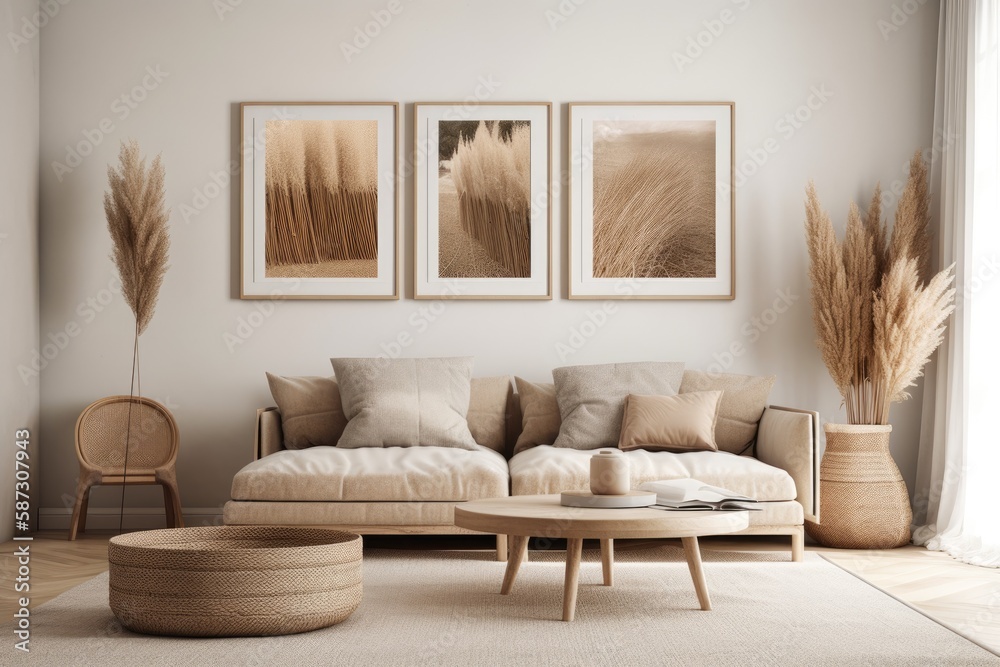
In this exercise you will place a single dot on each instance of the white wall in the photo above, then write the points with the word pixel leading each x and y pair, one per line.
pixel 18 243
pixel 770 60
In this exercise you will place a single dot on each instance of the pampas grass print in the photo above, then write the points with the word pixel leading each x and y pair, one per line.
pixel 878 313
pixel 321 191
pixel 493 179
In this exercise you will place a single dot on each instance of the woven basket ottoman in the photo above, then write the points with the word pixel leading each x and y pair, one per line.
pixel 232 581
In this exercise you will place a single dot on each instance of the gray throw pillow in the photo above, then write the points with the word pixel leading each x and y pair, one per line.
pixel 405 402
pixel 592 398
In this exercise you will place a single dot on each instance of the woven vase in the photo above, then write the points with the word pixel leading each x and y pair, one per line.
pixel 863 499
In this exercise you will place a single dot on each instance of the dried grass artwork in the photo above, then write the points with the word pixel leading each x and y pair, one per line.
pixel 654 199
pixel 321 198
pixel 484 199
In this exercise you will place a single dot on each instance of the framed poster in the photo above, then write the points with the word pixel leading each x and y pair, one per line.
pixel 319 200
pixel 652 213
pixel 481 200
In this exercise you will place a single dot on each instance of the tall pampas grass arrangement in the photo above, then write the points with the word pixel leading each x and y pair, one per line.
pixel 878 313
pixel 493 178
pixel 137 221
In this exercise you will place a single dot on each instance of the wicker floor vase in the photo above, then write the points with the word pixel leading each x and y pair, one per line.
pixel 863 498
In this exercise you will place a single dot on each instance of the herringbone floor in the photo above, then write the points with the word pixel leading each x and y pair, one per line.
pixel 964 597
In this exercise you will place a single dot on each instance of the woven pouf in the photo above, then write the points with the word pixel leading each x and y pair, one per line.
pixel 863 503
pixel 230 581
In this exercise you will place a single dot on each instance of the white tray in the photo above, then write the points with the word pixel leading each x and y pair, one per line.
pixel 588 499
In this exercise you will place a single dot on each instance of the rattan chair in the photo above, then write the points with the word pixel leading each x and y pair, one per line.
pixel 152 452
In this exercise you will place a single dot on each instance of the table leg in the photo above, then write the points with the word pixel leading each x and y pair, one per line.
pixel 574 549
pixel 693 555
pixel 518 549
pixel 607 560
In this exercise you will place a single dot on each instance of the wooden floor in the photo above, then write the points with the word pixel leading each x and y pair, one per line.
pixel 963 597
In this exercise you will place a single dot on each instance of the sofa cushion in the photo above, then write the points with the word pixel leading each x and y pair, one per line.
pixel 487 416
pixel 405 402
pixel 539 414
pixel 545 469
pixel 592 398
pixel 744 398
pixel 681 423
pixel 373 474
pixel 310 409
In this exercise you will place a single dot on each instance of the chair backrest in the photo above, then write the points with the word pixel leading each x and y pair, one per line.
pixel 151 430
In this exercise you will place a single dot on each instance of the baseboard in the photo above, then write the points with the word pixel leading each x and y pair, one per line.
pixel 136 518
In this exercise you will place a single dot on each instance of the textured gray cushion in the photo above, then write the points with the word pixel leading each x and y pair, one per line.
pixel 310 409
pixel 405 402
pixel 744 398
pixel 592 398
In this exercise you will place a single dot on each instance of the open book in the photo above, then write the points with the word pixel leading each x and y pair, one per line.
pixel 692 494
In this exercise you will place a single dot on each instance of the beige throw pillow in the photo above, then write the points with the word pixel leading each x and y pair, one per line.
pixel 310 410
pixel 744 398
pixel 405 402
pixel 592 398
pixel 681 423
pixel 539 414
pixel 487 414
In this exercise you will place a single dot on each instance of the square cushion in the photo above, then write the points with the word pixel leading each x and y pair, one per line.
pixel 487 416
pixel 744 398
pixel 546 469
pixel 310 410
pixel 373 474
pixel 539 414
pixel 681 423
pixel 592 398
pixel 405 402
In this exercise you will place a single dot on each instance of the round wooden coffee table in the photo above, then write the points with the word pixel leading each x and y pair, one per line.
pixel 543 516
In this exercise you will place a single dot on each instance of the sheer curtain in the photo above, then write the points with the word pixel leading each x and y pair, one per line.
pixel 955 504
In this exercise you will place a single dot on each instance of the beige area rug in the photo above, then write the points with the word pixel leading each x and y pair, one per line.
pixel 444 608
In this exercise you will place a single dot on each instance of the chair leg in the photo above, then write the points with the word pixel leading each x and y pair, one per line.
pixel 168 506
pixel 78 521
pixel 175 516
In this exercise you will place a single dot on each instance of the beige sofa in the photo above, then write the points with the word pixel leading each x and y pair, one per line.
pixel 413 490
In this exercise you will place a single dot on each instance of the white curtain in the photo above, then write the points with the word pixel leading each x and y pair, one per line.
pixel 959 461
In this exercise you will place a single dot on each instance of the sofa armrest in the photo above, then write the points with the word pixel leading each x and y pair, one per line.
pixel 267 434
pixel 788 438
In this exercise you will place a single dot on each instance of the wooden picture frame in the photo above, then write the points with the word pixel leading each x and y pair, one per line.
pixel 652 212
pixel 482 208
pixel 319 200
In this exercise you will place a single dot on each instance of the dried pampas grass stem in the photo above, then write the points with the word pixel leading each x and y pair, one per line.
pixel 878 314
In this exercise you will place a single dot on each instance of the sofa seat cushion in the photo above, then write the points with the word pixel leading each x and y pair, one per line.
pixel 353 515
pixel 547 469
pixel 374 474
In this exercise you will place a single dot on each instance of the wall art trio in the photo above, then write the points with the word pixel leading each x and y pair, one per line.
pixel 649 189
